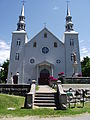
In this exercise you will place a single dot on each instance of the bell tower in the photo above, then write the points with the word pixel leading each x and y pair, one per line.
pixel 19 39
pixel 71 43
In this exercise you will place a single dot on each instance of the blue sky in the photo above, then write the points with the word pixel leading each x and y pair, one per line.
pixel 38 12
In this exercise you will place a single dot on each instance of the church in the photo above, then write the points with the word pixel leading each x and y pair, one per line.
pixel 44 55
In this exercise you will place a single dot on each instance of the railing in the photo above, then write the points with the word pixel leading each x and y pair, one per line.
pixel 62 97
pixel 29 98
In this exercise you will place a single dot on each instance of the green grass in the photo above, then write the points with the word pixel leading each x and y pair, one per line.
pixel 37 87
pixel 7 101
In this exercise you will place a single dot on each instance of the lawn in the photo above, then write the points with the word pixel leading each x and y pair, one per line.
pixel 17 102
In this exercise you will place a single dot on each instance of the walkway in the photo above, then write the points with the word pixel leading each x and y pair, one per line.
pixel 77 117
pixel 46 89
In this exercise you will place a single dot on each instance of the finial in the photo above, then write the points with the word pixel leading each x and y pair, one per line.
pixel 23 1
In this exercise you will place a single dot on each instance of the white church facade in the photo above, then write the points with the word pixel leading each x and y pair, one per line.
pixel 44 55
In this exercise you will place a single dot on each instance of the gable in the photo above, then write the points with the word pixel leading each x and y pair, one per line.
pixel 45 36
pixel 44 51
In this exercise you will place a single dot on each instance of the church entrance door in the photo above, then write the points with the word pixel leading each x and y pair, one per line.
pixel 15 79
pixel 44 77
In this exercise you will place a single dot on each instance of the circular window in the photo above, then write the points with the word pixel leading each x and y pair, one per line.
pixel 58 61
pixel 45 50
pixel 32 61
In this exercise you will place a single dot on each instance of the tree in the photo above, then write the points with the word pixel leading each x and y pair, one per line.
pixel 85 64
pixel 4 71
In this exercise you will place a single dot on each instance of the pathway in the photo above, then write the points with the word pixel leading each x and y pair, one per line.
pixel 46 89
pixel 77 117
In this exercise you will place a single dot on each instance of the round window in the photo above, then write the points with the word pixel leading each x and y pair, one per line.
pixel 45 50
pixel 32 61
pixel 58 61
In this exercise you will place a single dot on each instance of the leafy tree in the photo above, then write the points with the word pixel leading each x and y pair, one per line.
pixel 85 64
pixel 4 71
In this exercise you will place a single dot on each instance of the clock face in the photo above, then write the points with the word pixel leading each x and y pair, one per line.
pixel 45 50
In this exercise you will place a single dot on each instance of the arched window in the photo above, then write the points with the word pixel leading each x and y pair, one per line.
pixel 45 35
pixel 71 42
pixel 34 44
pixel 18 42
pixel 55 44
pixel 17 56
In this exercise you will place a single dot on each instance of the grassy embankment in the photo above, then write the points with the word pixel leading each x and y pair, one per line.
pixel 7 101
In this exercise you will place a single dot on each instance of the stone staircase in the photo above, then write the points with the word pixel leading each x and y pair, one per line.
pixel 45 98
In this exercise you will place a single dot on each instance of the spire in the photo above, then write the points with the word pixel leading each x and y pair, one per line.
pixel 21 23
pixel 22 11
pixel 69 24
pixel 68 10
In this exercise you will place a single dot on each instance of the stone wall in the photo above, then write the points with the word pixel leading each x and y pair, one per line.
pixel 15 89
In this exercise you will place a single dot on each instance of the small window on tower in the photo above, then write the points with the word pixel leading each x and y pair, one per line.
pixel 55 44
pixel 18 42
pixel 71 42
pixel 34 44
pixel 45 35
pixel 17 56
pixel 71 57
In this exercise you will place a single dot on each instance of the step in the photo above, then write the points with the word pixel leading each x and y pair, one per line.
pixel 44 101
pixel 44 95
pixel 45 104
pixel 44 98
pixel 45 92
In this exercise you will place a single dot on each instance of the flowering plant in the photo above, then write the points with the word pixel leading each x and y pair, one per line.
pixel 54 79
pixel 61 73
pixel 51 78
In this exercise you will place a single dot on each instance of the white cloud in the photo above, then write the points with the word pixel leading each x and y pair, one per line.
pixel 4 51
pixel 84 50
pixel 84 55
pixel 55 8
pixel 81 41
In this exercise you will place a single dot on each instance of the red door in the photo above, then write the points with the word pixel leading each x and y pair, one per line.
pixel 44 75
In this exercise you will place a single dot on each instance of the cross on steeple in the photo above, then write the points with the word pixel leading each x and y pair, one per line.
pixel 67 1
pixel 23 1
pixel 45 24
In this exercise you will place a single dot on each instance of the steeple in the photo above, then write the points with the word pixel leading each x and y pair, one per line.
pixel 22 11
pixel 21 23
pixel 68 10
pixel 69 24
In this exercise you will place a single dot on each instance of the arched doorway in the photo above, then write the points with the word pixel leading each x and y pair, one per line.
pixel 44 75
pixel 15 79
